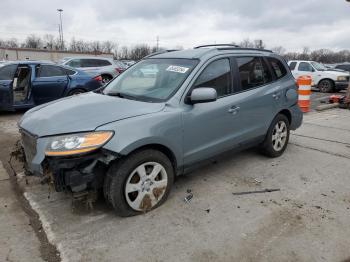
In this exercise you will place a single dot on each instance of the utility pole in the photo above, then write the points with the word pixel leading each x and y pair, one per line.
pixel 157 43
pixel 61 28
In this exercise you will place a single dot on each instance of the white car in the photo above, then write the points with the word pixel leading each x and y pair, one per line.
pixel 325 79
pixel 106 67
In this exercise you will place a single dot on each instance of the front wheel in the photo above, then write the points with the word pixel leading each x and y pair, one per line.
pixel 277 137
pixel 139 183
pixel 326 86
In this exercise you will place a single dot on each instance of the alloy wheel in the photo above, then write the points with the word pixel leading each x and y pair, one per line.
pixel 279 135
pixel 145 186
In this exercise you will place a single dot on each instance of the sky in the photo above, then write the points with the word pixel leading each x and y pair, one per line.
pixel 291 24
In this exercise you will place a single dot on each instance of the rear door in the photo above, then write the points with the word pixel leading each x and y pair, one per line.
pixel 257 97
pixel 49 84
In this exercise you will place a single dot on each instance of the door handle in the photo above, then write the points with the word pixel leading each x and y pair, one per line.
pixel 234 110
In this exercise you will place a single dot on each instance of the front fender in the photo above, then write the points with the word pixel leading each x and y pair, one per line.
pixel 162 128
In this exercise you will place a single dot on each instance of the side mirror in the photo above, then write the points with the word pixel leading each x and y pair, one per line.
pixel 313 70
pixel 203 95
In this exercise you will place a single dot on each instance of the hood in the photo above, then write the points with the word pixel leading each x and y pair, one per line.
pixel 83 112
pixel 335 72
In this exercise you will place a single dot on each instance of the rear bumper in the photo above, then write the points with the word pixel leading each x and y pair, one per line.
pixel 341 85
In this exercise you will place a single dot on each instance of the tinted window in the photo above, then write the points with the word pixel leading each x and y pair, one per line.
pixel 217 75
pixel 74 63
pixel 277 67
pixel 7 72
pixel 68 71
pixel 94 62
pixel 103 62
pixel 253 72
pixel 343 67
pixel 292 65
pixel 306 67
pixel 51 70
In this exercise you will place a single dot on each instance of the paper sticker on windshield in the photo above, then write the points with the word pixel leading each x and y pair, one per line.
pixel 177 69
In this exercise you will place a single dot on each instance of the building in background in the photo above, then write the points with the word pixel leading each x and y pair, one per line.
pixel 12 54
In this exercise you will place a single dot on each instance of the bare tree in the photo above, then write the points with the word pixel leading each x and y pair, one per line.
pixel 33 41
pixel 279 50
pixel 246 43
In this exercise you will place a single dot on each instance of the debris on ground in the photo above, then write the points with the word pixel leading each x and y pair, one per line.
pixel 267 190
pixel 188 198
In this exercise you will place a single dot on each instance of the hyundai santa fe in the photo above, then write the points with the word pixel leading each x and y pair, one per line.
pixel 133 137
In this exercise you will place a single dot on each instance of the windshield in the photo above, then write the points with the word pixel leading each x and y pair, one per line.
pixel 153 80
pixel 319 67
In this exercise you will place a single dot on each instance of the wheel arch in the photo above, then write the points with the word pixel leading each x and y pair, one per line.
pixel 160 147
pixel 288 114
pixel 326 78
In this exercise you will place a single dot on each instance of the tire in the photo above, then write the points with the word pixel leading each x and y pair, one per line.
pixel 106 79
pixel 269 146
pixel 326 86
pixel 76 92
pixel 144 195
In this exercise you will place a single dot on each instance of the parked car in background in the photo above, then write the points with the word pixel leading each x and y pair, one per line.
pixel 129 62
pixel 122 67
pixel 106 67
pixel 325 79
pixel 132 138
pixel 25 84
pixel 344 67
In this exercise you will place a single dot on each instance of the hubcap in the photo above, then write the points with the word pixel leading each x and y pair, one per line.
pixel 279 136
pixel 146 186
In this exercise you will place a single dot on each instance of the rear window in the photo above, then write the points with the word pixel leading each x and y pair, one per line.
pixel 7 72
pixel 51 70
pixel 292 65
pixel 253 72
pixel 94 62
pixel 277 67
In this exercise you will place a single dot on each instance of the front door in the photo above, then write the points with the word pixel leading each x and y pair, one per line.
pixel 7 73
pixel 49 84
pixel 209 127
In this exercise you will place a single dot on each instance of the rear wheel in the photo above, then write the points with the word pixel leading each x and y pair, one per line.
pixel 76 92
pixel 326 86
pixel 139 183
pixel 277 137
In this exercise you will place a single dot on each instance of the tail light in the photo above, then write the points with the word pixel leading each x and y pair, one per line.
pixel 297 84
pixel 119 70
pixel 98 78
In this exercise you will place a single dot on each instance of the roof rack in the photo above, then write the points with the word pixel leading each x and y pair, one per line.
pixel 232 47
pixel 246 48
pixel 201 46
pixel 160 52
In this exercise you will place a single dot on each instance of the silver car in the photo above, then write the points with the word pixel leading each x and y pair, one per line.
pixel 133 137
pixel 106 67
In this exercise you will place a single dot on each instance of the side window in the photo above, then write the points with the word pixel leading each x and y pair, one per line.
pixel 51 70
pixel 103 62
pixel 253 72
pixel 292 65
pixel 74 63
pixel 7 72
pixel 68 71
pixel 216 75
pixel 277 67
pixel 305 67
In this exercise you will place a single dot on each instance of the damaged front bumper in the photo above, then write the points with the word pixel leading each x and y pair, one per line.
pixel 76 173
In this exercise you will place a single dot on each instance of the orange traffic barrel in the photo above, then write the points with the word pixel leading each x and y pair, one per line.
pixel 304 92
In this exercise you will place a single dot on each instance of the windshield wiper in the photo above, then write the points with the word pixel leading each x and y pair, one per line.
pixel 122 95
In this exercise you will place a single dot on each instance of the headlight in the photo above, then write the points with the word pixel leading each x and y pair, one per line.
pixel 341 78
pixel 73 144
